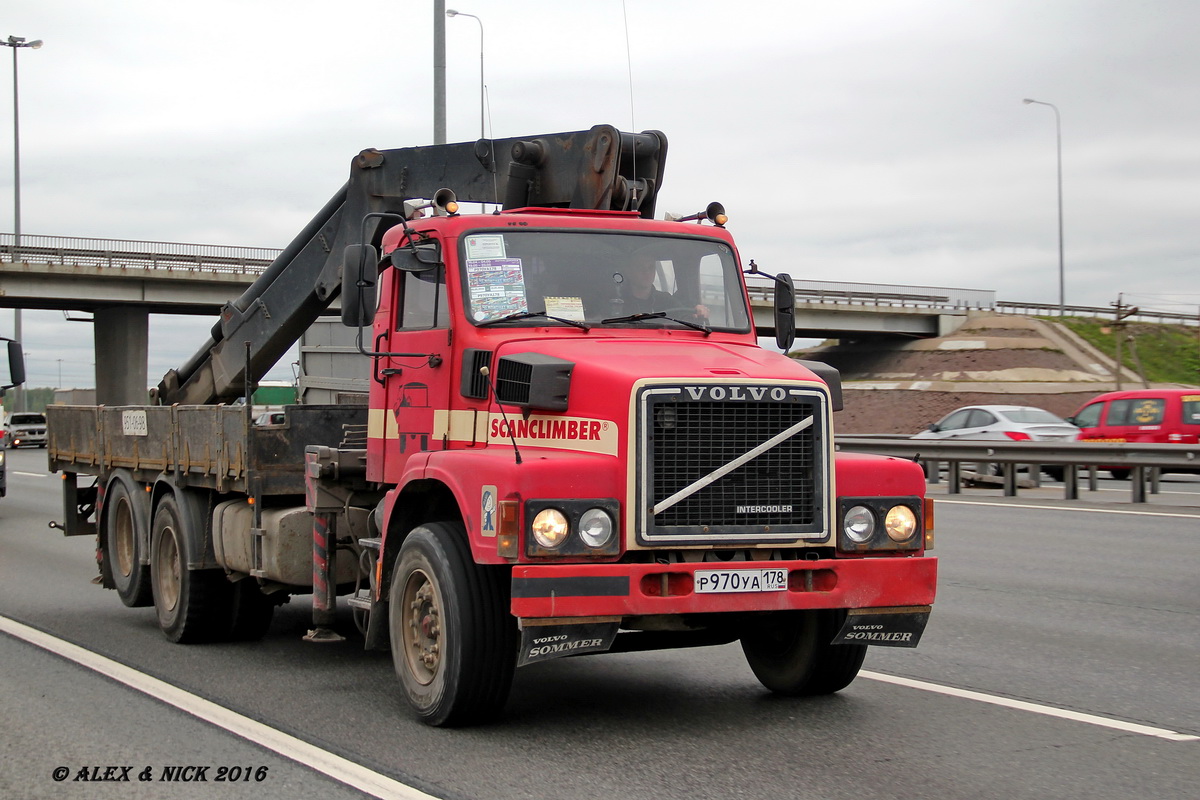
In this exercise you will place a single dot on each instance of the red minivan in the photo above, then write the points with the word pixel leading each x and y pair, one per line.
pixel 1141 415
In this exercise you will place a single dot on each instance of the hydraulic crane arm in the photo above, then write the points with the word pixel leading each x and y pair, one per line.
pixel 601 168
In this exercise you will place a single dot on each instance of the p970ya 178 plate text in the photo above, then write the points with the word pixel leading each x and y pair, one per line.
pixel 713 581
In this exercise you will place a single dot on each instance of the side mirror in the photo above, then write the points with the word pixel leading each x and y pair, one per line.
pixel 785 312
pixel 16 365
pixel 417 258
pixel 360 280
pixel 933 426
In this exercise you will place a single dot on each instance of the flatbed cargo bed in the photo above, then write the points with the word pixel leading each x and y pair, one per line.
pixel 216 447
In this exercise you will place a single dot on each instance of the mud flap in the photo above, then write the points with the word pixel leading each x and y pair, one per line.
pixel 542 642
pixel 886 627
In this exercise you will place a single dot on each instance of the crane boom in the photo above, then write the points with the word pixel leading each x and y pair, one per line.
pixel 600 168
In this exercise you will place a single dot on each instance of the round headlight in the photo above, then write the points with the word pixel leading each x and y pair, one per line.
pixel 900 523
pixel 550 528
pixel 595 527
pixel 859 524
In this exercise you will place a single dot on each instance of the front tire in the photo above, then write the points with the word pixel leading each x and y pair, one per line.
pixel 191 604
pixel 453 639
pixel 790 653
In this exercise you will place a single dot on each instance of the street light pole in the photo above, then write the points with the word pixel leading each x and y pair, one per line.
pixel 16 43
pixel 439 72
pixel 1061 265
pixel 482 116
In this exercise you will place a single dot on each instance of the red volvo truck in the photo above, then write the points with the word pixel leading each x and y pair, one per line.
pixel 572 443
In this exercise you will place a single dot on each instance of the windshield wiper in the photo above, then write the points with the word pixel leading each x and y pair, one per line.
pixel 530 314
pixel 658 315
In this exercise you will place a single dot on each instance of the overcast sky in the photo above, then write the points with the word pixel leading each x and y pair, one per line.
pixel 864 140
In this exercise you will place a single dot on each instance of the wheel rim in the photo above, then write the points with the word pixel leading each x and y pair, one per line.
pixel 422 627
pixel 167 569
pixel 123 537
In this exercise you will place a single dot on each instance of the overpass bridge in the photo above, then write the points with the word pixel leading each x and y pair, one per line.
pixel 122 282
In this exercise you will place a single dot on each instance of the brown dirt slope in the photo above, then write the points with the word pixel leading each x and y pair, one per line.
pixel 901 387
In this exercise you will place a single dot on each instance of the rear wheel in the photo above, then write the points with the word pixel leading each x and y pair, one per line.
pixel 1119 474
pixel 251 611
pixel 790 653
pixel 191 604
pixel 124 529
pixel 453 639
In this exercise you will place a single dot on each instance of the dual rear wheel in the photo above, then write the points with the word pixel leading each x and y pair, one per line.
pixel 199 605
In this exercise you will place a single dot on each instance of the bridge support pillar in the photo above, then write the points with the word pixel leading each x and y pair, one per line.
pixel 122 335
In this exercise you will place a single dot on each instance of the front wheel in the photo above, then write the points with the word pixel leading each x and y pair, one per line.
pixel 453 639
pixel 789 652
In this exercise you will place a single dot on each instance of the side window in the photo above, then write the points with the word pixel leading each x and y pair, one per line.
pixel 1191 410
pixel 422 300
pixel 1148 411
pixel 980 418
pixel 955 421
pixel 1118 413
pixel 1089 417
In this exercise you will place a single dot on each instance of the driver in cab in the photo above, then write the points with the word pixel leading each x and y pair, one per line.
pixel 641 296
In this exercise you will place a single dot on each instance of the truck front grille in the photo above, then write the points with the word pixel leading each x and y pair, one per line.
pixel 697 483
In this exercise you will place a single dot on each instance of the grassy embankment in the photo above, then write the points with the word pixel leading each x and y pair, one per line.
pixel 1168 353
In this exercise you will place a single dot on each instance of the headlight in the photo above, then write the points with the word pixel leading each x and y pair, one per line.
pixel 900 523
pixel 859 524
pixel 595 527
pixel 550 528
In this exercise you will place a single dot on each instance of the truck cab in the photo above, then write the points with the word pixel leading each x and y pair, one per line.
pixel 580 396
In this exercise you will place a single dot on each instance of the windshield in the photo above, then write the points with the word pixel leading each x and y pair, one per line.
pixel 27 419
pixel 594 278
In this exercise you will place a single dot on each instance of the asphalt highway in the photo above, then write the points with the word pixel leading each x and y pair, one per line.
pixel 1060 661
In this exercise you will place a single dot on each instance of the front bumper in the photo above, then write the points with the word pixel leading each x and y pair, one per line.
pixel 541 591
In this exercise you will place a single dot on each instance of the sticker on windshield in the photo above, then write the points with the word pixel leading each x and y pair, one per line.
pixel 485 246
pixel 565 307
pixel 497 287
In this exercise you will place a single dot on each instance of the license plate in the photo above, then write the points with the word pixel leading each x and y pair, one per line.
pixel 714 581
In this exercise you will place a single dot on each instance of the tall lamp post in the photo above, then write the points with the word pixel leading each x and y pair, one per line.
pixel 1061 267
pixel 16 43
pixel 482 116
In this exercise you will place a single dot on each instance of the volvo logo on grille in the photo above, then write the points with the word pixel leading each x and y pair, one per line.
pixel 763 509
pixel 776 393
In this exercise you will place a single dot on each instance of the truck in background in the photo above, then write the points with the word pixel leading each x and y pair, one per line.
pixel 572 443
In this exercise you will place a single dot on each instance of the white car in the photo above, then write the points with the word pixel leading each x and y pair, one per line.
pixel 1005 423
pixel 1002 423
pixel 24 429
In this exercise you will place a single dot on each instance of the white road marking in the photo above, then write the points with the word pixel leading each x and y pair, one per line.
pixel 31 474
pixel 340 769
pixel 937 501
pixel 359 777
pixel 1034 708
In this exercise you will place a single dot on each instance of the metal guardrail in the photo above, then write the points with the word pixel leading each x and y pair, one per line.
pixel 1051 310
pixel 128 253
pixel 878 294
pixel 1144 461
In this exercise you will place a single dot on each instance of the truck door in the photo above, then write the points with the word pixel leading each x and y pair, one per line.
pixel 416 386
